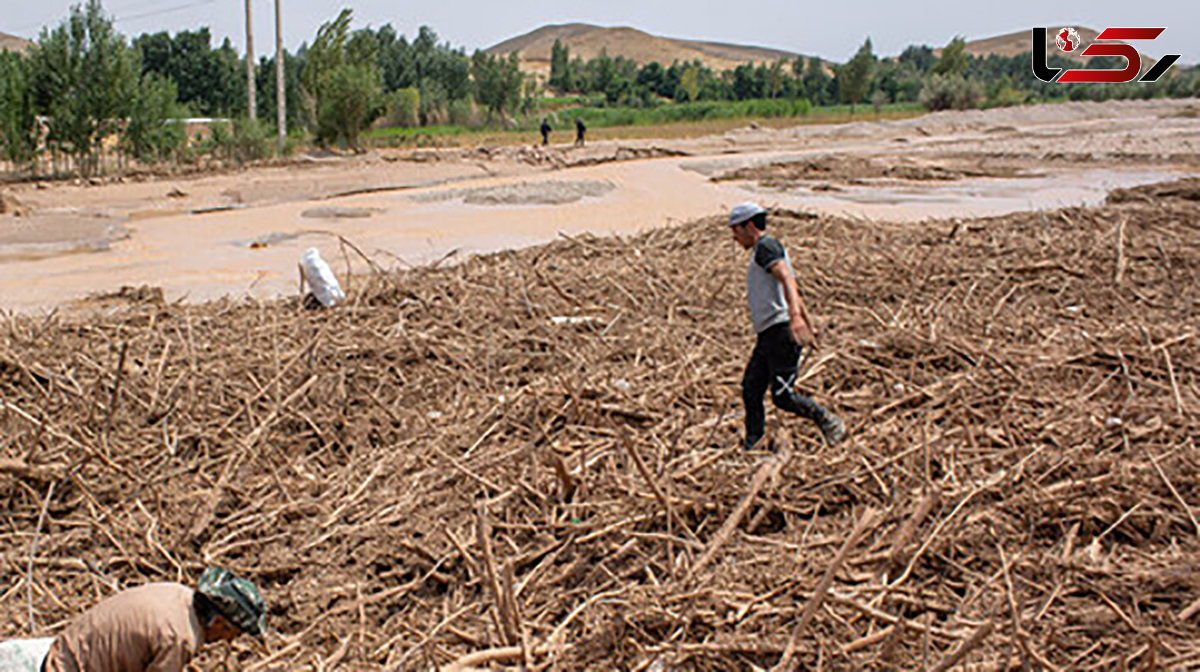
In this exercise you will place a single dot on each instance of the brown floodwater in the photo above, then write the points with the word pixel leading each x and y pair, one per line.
pixel 254 251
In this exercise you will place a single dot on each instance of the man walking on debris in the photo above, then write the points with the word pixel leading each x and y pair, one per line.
pixel 580 129
pixel 783 325
pixel 158 627
pixel 545 129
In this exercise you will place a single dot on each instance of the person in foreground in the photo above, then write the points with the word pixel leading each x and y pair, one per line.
pixel 783 326
pixel 158 627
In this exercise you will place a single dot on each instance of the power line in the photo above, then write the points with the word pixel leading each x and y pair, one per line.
pixel 117 17
pixel 168 10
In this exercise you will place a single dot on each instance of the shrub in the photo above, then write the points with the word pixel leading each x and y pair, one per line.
pixel 350 100
pixel 950 92
pixel 243 140
pixel 403 108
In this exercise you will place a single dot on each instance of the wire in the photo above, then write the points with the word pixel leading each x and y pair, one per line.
pixel 164 11
pixel 116 17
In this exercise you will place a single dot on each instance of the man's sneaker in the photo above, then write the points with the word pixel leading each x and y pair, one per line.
pixel 833 428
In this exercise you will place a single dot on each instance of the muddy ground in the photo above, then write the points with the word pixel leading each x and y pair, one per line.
pixel 241 233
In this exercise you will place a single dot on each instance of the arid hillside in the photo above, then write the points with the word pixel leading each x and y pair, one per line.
pixel 13 43
pixel 587 41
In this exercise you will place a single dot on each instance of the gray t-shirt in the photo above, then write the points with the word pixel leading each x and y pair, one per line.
pixel 768 304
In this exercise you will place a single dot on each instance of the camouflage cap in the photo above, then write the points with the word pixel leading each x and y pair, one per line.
pixel 237 599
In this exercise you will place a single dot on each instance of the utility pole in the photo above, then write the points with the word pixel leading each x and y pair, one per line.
pixel 250 86
pixel 280 93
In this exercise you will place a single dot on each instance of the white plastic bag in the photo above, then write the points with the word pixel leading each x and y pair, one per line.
pixel 320 279
pixel 24 655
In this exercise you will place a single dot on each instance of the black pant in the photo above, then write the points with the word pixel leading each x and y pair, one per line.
pixel 774 364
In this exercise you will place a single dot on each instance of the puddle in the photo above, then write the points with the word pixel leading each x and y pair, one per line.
pixel 39 237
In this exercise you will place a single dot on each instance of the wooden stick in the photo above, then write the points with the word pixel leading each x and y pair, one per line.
pixel 1174 383
pixel 870 640
pixel 37 531
pixel 1119 272
pixel 503 613
pixel 1190 611
pixel 485 658
pixel 648 477
pixel 765 473
pixel 906 532
pixel 787 662
pixel 116 391
pixel 981 633
pixel 1187 509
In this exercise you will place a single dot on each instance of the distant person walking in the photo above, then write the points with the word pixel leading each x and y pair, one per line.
pixel 545 131
pixel 580 129
pixel 783 327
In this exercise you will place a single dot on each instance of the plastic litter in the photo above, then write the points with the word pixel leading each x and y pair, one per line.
pixel 320 279
pixel 24 655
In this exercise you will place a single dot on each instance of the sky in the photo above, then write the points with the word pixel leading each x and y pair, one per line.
pixel 830 29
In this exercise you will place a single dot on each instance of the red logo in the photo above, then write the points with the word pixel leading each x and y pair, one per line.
pixel 1068 41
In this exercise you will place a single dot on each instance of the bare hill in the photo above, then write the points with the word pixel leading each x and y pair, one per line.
pixel 13 43
pixel 587 41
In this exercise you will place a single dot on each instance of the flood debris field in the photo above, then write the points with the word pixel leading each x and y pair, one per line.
pixel 533 457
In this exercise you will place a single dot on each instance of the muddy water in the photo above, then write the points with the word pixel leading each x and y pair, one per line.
pixel 254 251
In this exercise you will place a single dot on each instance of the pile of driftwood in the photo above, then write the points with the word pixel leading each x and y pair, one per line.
pixel 533 458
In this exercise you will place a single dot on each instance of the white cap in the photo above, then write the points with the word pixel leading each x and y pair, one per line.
pixel 743 212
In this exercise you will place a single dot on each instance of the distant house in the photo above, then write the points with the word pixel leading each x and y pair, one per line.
pixel 200 128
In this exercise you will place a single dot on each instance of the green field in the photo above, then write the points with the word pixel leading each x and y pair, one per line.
pixel 667 121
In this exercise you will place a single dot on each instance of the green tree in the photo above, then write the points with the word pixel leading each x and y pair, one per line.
pixel 327 53
pixel 954 60
pixel 816 82
pixel 18 119
pixel 351 99
pixel 653 78
pixel 296 113
pixel 854 78
pixel 210 81
pixel 689 84
pixel 920 58
pixel 342 81
pixel 560 64
pixel 85 77
pixel 156 130
pixel 775 78
pixel 498 83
